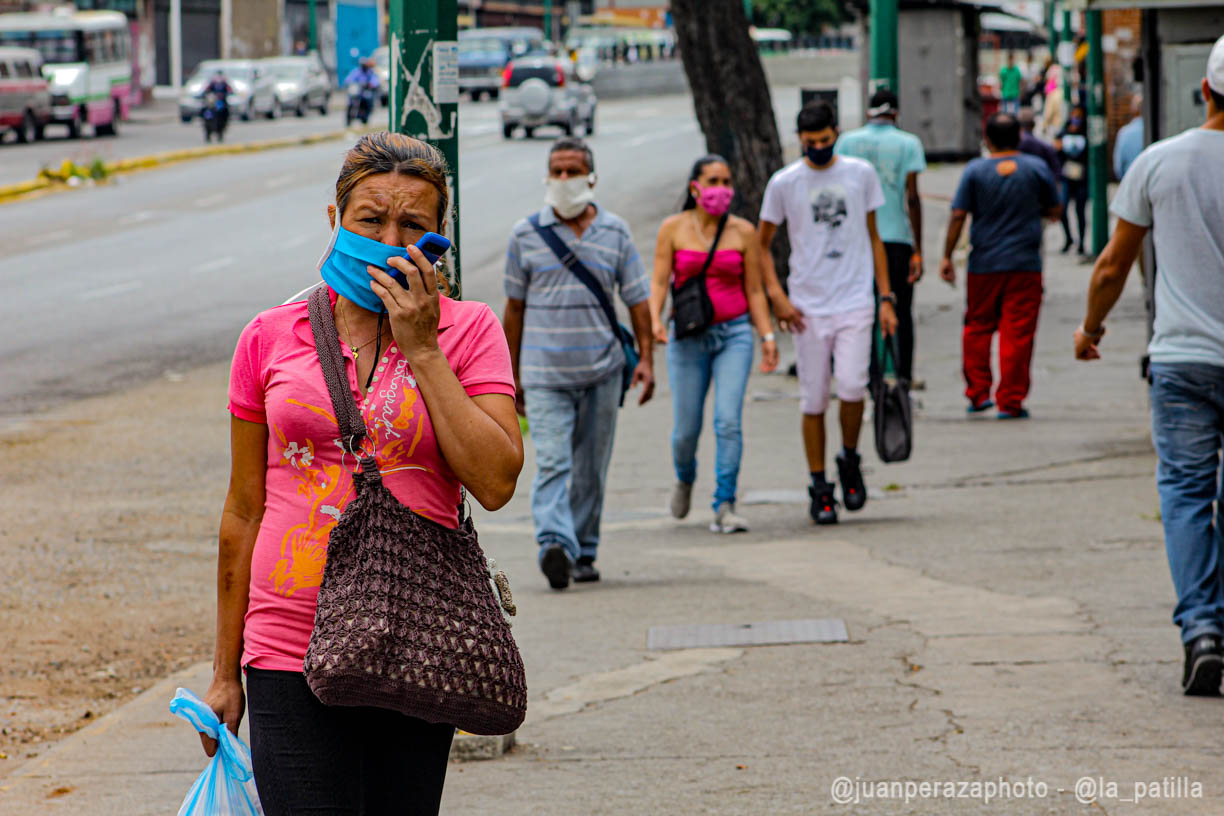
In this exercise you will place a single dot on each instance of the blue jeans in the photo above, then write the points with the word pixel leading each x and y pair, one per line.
pixel 1187 419
pixel 722 353
pixel 572 430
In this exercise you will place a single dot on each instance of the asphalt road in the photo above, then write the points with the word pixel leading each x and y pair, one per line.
pixel 111 286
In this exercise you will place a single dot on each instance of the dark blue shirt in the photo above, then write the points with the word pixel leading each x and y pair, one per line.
pixel 1006 196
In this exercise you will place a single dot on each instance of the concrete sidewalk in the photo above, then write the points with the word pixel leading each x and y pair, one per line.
pixel 1005 591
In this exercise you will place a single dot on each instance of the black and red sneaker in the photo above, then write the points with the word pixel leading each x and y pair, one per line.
pixel 823 508
pixel 850 474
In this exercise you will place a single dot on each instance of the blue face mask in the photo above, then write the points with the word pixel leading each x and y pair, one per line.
pixel 343 266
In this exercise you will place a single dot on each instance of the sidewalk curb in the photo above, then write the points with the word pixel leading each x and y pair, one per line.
pixel 14 192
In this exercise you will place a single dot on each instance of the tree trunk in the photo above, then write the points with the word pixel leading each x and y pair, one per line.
pixel 732 100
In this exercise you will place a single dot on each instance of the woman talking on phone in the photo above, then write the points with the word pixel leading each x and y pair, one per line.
pixel 431 379
pixel 710 261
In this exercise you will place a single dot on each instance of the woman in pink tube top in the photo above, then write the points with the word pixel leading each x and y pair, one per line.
pixel 722 354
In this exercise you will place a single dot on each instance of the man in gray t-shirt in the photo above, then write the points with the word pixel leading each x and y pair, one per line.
pixel 1175 188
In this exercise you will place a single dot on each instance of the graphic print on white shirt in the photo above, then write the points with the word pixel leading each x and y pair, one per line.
pixel 829 208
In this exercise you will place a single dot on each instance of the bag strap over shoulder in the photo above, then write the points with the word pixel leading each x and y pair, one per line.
pixel 327 344
pixel 571 262
pixel 722 225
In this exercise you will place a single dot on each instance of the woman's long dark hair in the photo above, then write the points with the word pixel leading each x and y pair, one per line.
pixel 699 167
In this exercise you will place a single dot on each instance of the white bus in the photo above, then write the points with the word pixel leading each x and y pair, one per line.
pixel 87 58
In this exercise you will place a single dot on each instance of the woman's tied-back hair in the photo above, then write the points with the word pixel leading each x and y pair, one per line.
pixel 699 167
pixel 385 152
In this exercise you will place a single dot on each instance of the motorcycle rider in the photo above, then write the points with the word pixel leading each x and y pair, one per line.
pixel 364 77
pixel 221 89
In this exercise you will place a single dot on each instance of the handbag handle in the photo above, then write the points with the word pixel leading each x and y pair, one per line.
pixel 722 224
pixel 348 417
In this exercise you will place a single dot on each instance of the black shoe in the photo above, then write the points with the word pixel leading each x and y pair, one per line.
pixel 584 570
pixel 823 508
pixel 850 474
pixel 555 564
pixel 1204 661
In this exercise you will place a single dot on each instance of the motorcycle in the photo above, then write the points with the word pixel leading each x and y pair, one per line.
pixel 215 115
pixel 360 102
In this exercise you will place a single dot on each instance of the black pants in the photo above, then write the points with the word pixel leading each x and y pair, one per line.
pixel 323 760
pixel 898 279
pixel 1074 191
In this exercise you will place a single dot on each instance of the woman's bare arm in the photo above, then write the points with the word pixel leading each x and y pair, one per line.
pixel 660 281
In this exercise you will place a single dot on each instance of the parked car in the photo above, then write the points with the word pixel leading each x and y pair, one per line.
pixel 485 52
pixel 382 67
pixel 300 83
pixel 254 91
pixel 539 90
pixel 25 96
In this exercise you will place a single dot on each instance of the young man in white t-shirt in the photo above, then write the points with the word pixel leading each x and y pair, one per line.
pixel 828 203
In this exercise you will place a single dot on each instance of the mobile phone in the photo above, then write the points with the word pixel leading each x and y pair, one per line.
pixel 433 246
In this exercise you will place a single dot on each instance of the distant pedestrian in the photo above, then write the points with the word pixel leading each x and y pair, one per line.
pixel 898 158
pixel 1175 189
pixel 1129 142
pixel 1008 194
pixel 1011 82
pixel 436 391
pixel 1053 112
pixel 829 204
pixel 1034 146
pixel 568 356
pixel 722 353
pixel 1072 144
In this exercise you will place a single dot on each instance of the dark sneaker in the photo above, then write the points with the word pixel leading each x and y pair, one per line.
pixel 850 474
pixel 823 508
pixel 1021 413
pixel 555 565
pixel 1204 661
pixel 584 570
pixel 977 408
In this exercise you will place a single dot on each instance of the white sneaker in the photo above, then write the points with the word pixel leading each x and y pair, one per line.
pixel 682 498
pixel 725 520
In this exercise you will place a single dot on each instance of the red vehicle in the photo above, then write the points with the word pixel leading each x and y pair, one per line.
pixel 25 97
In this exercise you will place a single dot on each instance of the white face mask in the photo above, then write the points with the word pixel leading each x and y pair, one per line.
pixel 569 197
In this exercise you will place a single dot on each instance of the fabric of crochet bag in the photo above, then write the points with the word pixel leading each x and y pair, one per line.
pixel 409 617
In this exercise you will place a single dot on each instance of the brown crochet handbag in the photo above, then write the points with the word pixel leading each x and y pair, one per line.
pixel 409 616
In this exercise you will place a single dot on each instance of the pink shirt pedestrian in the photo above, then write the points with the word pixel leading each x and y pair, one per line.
pixel 724 279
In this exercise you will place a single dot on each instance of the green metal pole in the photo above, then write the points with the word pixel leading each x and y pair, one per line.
pixel 884 67
pixel 548 28
pixel 425 90
pixel 1098 166
pixel 1050 15
pixel 314 29
pixel 1067 69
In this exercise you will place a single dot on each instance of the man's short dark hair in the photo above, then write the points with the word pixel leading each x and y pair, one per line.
pixel 573 143
pixel 1217 98
pixel 816 116
pixel 1003 131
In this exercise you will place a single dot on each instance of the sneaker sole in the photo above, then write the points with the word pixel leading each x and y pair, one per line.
pixel 555 566
pixel 718 528
pixel 1205 676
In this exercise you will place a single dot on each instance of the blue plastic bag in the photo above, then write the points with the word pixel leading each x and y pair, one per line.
pixel 227 786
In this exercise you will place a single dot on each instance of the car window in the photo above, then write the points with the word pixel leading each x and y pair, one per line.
pixel 4 70
pixel 23 69
pixel 522 73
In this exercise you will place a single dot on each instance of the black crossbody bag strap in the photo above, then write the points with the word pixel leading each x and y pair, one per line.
pixel 571 262
pixel 722 224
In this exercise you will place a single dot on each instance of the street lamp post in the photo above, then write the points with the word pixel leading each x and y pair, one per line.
pixel 884 68
pixel 313 36
pixel 1098 166
pixel 424 91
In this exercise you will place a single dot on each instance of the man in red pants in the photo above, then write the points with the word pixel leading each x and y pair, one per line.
pixel 1008 193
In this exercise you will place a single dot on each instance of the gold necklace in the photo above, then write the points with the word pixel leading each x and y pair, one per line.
pixel 697 226
pixel 349 342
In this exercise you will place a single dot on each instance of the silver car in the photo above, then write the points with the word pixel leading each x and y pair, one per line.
pixel 254 92
pixel 301 83
pixel 538 91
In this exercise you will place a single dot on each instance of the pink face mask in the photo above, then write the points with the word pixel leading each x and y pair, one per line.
pixel 715 200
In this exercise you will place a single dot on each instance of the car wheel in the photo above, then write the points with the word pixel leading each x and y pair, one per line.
pixel 249 113
pixel 74 127
pixel 27 132
pixel 300 111
pixel 507 131
pixel 590 124
pixel 111 128
pixel 185 118
pixel 528 133
pixel 274 112
pixel 494 94
pixel 568 127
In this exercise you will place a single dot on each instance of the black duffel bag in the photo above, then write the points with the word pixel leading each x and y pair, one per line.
pixel 894 416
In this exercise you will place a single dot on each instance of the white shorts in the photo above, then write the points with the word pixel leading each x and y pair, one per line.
pixel 840 344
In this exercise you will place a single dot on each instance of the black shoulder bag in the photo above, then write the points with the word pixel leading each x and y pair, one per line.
pixel 894 421
pixel 692 309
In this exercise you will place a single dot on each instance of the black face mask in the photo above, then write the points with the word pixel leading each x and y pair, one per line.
pixel 819 156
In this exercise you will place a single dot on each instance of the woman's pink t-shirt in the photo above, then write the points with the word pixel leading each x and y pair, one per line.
pixel 276 380
pixel 724 280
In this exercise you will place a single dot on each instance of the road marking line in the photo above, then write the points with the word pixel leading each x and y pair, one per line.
pixel 48 237
pixel 212 266
pixel 295 242
pixel 111 291
pixel 135 218
pixel 208 201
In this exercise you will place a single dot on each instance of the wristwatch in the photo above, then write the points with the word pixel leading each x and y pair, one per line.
pixel 889 297
pixel 768 337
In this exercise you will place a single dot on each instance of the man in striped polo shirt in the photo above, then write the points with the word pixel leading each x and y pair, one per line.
pixel 568 361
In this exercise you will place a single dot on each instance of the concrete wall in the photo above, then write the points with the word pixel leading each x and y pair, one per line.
pixel 787 71
pixel 256 29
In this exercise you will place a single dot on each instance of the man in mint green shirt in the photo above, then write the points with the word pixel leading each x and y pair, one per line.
pixel 898 158
pixel 1010 80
